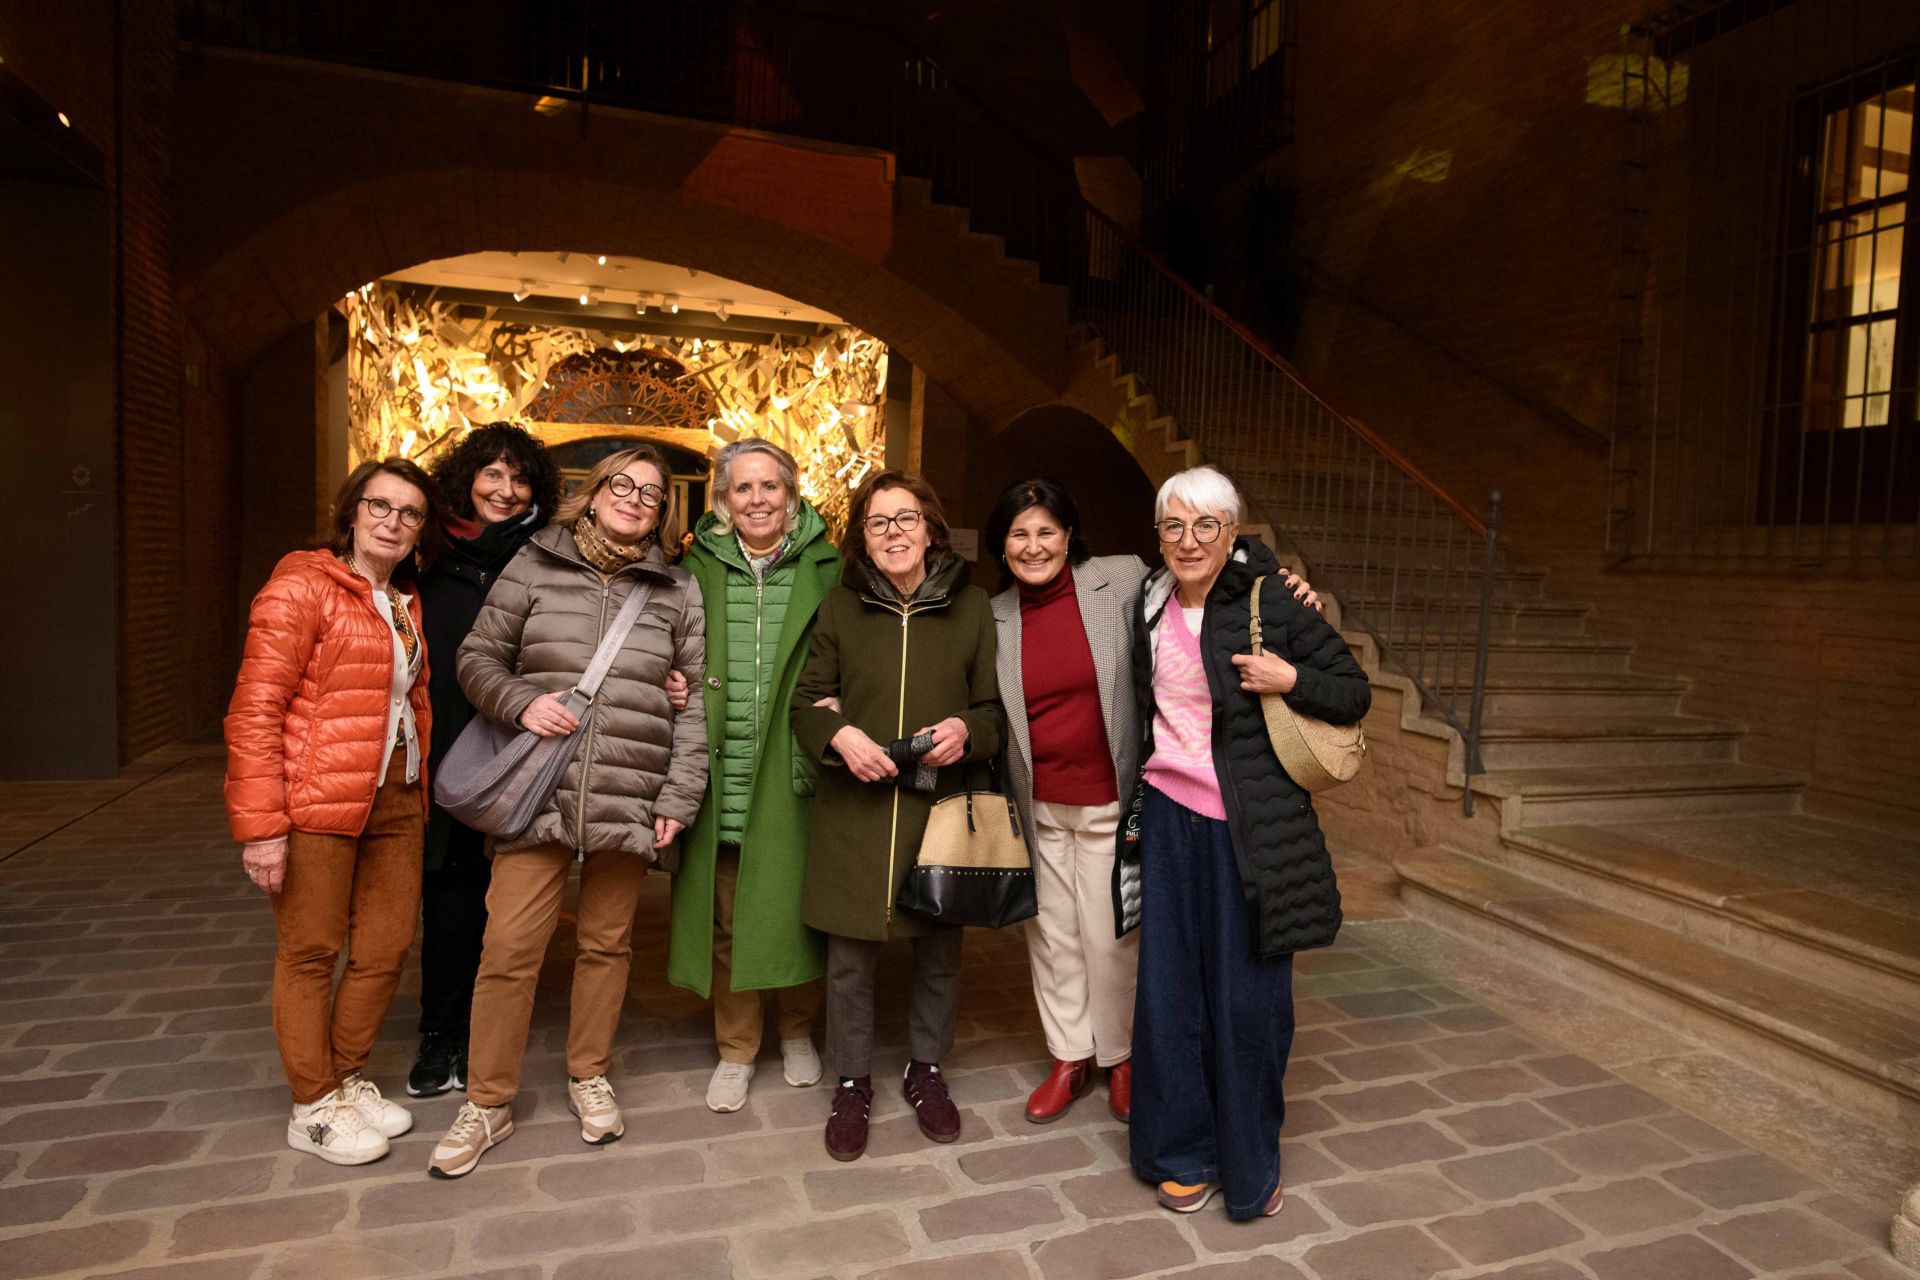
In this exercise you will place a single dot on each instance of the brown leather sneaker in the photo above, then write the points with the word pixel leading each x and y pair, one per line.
pixel 847 1122
pixel 926 1090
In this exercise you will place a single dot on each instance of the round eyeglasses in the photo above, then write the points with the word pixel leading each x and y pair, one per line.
pixel 380 509
pixel 906 521
pixel 622 485
pixel 1206 529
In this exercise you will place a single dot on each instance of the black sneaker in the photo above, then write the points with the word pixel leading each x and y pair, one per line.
pixel 440 1066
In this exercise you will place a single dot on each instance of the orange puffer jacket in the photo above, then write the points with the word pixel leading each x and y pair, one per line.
pixel 308 721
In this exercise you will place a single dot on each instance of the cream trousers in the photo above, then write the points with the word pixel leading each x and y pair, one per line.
pixel 1083 976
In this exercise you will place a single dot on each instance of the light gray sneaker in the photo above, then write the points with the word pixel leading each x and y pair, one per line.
pixel 727 1091
pixel 335 1130
pixel 592 1100
pixel 390 1118
pixel 800 1063
pixel 476 1130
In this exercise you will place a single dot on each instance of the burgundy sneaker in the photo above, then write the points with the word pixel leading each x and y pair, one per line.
pixel 847 1123
pixel 933 1106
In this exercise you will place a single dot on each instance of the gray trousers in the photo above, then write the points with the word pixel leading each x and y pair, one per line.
pixel 932 1008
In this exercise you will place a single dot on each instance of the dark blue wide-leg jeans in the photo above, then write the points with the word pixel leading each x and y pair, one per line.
pixel 1213 1022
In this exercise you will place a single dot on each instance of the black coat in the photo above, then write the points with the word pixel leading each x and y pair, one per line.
pixel 1276 835
pixel 451 593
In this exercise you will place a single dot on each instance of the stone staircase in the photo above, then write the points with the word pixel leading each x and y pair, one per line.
pixel 1622 844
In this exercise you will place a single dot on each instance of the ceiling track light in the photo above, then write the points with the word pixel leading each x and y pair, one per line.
pixel 601 259
pixel 562 255
pixel 524 291
pixel 724 310
pixel 673 303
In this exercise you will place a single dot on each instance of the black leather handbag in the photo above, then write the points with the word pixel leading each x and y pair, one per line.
pixel 973 866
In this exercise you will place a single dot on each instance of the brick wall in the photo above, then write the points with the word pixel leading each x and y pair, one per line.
pixel 1453 176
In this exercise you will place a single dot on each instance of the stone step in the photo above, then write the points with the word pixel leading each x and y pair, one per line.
pixel 1837 941
pixel 1514 654
pixel 1848 1051
pixel 1530 694
pixel 1520 742
pixel 1640 792
pixel 1387 561
pixel 1402 615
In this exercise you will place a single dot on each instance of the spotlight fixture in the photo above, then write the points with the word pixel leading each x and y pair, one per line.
pixel 672 301
pixel 723 310
pixel 523 290
pixel 640 306
pixel 562 255
pixel 601 259
pixel 589 297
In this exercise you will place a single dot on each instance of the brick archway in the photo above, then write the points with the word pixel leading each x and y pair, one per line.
pixel 263 250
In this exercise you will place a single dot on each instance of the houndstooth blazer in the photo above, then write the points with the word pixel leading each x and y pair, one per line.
pixel 1108 589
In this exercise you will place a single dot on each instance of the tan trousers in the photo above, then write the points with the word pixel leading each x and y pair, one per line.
pixel 361 892
pixel 737 1016
pixel 523 907
pixel 1083 977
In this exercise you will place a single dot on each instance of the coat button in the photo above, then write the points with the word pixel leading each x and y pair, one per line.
pixel 713 682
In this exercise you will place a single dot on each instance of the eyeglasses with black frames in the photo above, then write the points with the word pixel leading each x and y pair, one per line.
pixel 907 521
pixel 622 485
pixel 380 509
pixel 1205 530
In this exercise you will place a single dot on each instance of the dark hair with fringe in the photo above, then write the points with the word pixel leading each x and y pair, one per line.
pixel 484 446
pixel 930 511
pixel 1022 496
pixel 433 529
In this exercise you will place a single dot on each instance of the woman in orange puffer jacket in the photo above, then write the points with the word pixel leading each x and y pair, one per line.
pixel 326 791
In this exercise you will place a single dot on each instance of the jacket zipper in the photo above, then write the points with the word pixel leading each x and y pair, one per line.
pixel 586 746
pixel 899 729
pixel 759 612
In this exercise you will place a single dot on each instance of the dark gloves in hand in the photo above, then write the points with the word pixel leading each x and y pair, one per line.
pixel 905 754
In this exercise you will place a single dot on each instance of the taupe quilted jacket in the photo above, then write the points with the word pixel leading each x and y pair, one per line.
pixel 637 757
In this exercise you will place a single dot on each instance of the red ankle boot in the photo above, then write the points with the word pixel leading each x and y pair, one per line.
pixel 1120 1090
pixel 1067 1081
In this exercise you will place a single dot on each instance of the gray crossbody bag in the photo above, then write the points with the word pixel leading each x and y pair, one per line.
pixel 497 777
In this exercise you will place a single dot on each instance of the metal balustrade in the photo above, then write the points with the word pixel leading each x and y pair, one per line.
pixel 1415 568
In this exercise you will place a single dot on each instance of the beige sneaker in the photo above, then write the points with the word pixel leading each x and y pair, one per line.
pixel 799 1062
pixel 390 1118
pixel 592 1100
pixel 475 1130
pixel 727 1091
pixel 335 1130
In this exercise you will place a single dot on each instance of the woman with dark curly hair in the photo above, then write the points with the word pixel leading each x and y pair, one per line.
pixel 501 488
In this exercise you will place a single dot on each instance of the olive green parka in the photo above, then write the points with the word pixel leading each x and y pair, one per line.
pixel 896 666
pixel 759 785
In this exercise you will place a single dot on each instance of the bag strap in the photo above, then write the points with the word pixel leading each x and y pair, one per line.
pixel 1253 616
pixel 610 643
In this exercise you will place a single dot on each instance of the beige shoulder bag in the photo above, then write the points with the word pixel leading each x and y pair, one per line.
pixel 1317 755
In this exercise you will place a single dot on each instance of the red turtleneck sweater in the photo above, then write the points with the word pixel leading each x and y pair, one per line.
pixel 1071 760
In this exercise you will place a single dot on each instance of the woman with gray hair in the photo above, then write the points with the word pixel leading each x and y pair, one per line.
pixel 763 562
pixel 1234 875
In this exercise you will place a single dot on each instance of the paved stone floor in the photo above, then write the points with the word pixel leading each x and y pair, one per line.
pixel 141 1122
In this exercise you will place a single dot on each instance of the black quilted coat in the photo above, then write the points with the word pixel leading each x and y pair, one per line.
pixel 1276 835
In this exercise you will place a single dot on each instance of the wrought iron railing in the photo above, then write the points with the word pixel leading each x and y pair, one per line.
pixel 1413 567
pixel 1767 383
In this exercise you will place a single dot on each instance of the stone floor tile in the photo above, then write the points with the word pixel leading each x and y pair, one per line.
pixel 1387 1253
pixel 1116 1193
pixel 1775 1239
pixel 1547 1269
pixel 1487 1049
pixel 1463 1017
pixel 487 1190
pixel 1391 1197
pixel 111 1153
pixel 1736 1181
pixel 129 1053
pixel 45 1089
pixel 183 1077
pixel 1303 1165
pixel 1569 1070
pixel 1510 1231
pixel 1381 1004
pixel 1261 1268
pixel 825 1244
pixel 900 1135
pixel 1865 1220
pixel 1502 1125
pixel 1000 1264
pixel 1486 1084
pixel 597 1175
pixel 1616 1151
pixel 848 1187
pixel 1377 1032
pixel 756 1202
pixel 188 1184
pixel 1305 1076
pixel 238 1267
pixel 1220 1235
pixel 1114 1250
pixel 1384 1102
pixel 404 1251
pixel 681 1260
pixel 1503 1175
pixel 1603 1105
pixel 1381 1063
pixel 553 1231
pixel 993 1214
pixel 1389 1145
pixel 1315 1041
pixel 83 1248
pixel 1670 1259
pixel 1696 1134
pixel 1622 1208
pixel 1310 1116
pixel 1028 1159
pixel 39 1202
pixel 252 1223
pixel 45 1123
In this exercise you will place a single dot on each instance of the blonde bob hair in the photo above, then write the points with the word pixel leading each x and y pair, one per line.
pixel 578 502
pixel 721 500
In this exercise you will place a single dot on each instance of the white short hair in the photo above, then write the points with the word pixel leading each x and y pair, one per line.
pixel 722 479
pixel 1200 489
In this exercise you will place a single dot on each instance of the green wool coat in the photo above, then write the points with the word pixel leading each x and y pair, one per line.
pixel 895 667
pixel 759 790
